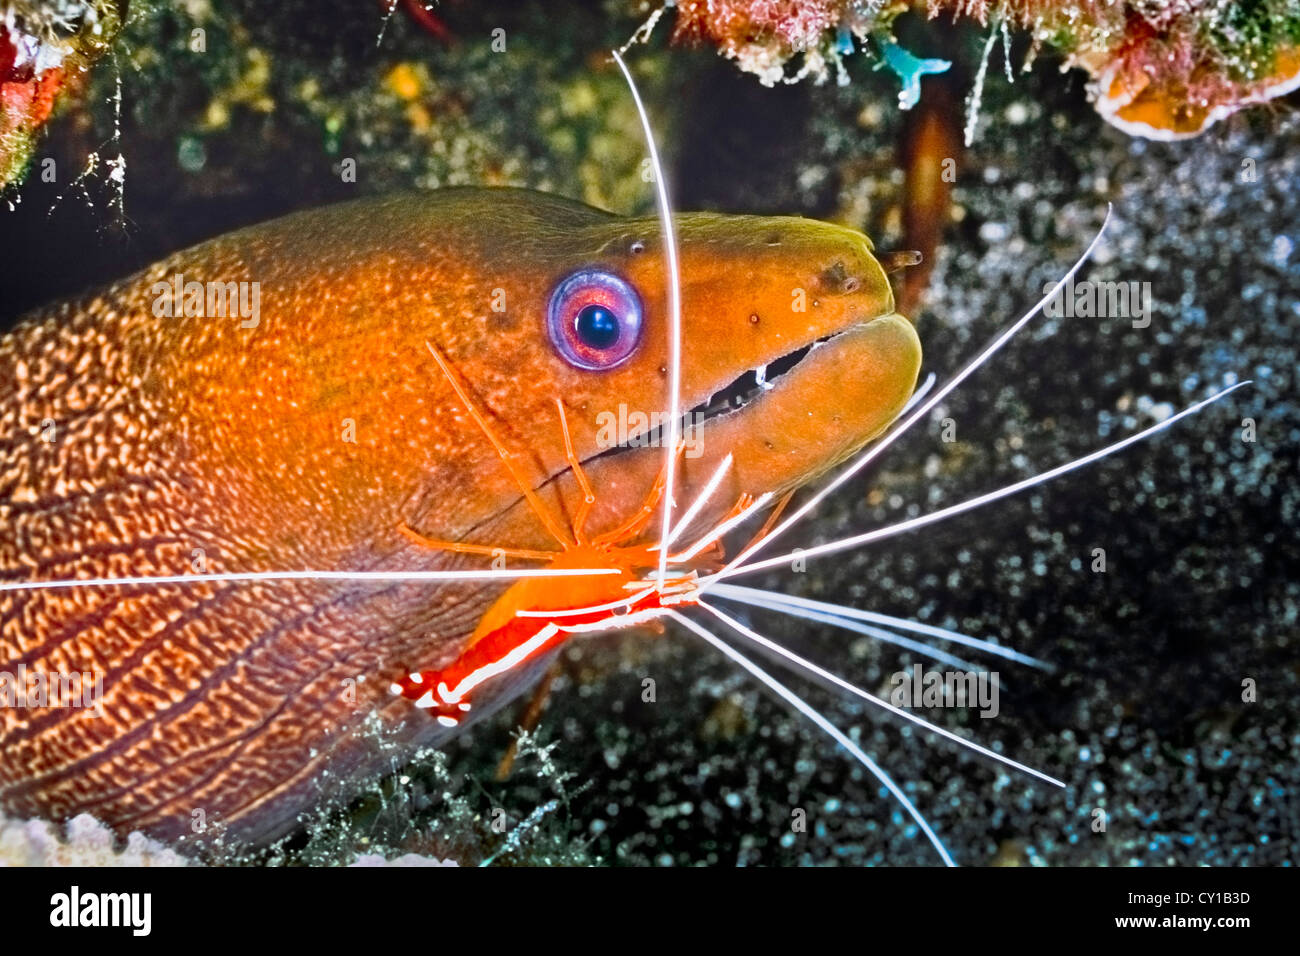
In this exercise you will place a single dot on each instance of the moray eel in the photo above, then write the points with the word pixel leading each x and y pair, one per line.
pixel 309 435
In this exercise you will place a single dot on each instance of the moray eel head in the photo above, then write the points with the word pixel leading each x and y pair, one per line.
pixel 318 431
pixel 792 355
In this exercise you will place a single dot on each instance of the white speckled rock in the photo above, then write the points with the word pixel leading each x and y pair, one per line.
pixel 87 843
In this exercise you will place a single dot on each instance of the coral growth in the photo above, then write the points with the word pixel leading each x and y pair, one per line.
pixel 1172 73
pixel 85 842
pixel 407 859
pixel 1161 70
pixel 44 47
pixel 761 35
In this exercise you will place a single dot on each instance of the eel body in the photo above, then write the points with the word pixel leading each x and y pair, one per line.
pixel 134 443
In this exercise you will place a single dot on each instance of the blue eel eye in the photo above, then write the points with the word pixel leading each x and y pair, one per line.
pixel 594 320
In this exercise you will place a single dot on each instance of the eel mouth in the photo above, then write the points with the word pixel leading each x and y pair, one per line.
pixel 743 395
pixel 749 385
pixel 782 423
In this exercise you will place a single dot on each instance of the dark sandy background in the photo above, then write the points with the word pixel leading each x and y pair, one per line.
pixel 1143 716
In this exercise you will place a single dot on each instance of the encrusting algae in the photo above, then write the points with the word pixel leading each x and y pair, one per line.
pixel 1160 70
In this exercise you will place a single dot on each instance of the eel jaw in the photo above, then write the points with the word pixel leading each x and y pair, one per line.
pixel 829 399
pixel 783 372
pixel 750 385
pixel 784 423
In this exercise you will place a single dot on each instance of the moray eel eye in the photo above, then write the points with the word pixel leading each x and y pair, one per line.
pixel 594 320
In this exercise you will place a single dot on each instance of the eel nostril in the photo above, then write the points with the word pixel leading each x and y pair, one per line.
pixel 836 280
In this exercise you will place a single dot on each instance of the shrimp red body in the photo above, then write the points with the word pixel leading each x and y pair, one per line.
pixel 448 693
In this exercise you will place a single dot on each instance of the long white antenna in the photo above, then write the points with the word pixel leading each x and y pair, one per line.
pixel 698 504
pixel 835 680
pixel 375 576
pixel 803 707
pixel 791 604
pixel 674 319
pixel 970 503
pixel 930 651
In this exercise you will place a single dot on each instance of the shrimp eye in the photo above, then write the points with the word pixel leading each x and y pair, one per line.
pixel 594 320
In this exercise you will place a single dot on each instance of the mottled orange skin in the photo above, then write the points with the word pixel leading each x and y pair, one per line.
pixel 173 436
